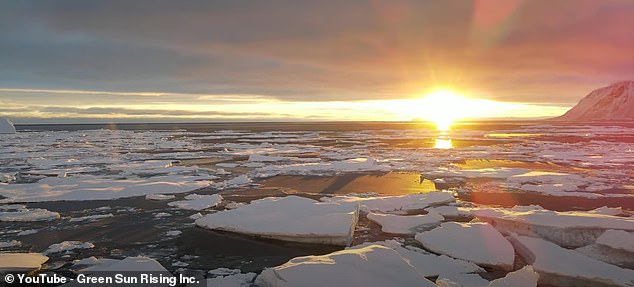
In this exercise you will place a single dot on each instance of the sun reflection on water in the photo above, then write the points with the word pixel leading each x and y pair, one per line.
pixel 443 141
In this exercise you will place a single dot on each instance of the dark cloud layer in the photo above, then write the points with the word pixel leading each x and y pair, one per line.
pixel 521 51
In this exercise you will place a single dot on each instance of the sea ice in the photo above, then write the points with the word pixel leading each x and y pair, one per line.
pixel 476 242
pixel 290 218
pixel 67 246
pixel 525 277
pixel 10 243
pixel 558 266
pixel 568 229
pixel 398 224
pixel 232 280
pixel 617 239
pixel 22 213
pixel 91 217
pixel 369 266
pixel 87 187
pixel 136 264
pixel 401 203
pixel 21 262
pixel 158 196
pixel 197 202
pixel 614 247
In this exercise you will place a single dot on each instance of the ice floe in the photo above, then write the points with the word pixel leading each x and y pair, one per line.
pixel 10 243
pixel 476 242
pixel 197 202
pixel 232 280
pixel 564 267
pixel 369 266
pixel 617 239
pixel 21 262
pixel 91 217
pixel 136 264
pixel 66 246
pixel 322 168
pixel 614 247
pixel 411 224
pixel 22 213
pixel 290 218
pixel 88 187
pixel 401 203
pixel 158 196
pixel 568 229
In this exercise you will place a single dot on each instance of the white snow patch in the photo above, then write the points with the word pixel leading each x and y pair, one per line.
pixel 476 242
pixel 290 218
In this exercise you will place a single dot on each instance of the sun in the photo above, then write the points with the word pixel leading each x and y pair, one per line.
pixel 444 107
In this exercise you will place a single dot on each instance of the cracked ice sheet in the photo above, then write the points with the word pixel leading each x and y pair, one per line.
pixel 391 204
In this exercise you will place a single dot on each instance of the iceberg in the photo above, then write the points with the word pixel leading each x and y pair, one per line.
pixel 398 224
pixel 290 218
pixel 476 242
pixel 370 266
pixel 6 126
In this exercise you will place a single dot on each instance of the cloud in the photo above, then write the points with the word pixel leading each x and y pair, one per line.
pixel 532 51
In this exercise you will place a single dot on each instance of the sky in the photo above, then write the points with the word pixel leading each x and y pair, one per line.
pixel 117 61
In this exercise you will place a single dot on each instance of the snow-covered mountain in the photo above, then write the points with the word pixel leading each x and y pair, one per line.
pixel 611 103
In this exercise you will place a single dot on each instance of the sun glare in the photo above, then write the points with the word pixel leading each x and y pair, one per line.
pixel 444 107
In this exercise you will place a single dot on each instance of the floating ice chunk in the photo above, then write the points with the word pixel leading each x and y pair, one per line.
pixel 197 202
pixel 558 266
pixel 27 232
pixel 238 181
pixel 395 203
pixel 450 211
pixel 427 264
pixel 234 205
pixel 10 243
pixel 133 264
pixel 172 233
pixel 224 271
pixel 525 277
pixel 67 246
pixel 370 266
pixel 6 126
pixel 87 187
pixel 568 229
pixel 398 224
pixel 617 239
pixel 498 172
pixel 21 262
pixel 158 196
pixel 233 280
pixel 21 213
pixel 195 216
pixel 91 217
pixel 607 210
pixel 290 218
pixel 162 214
pixel 476 242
